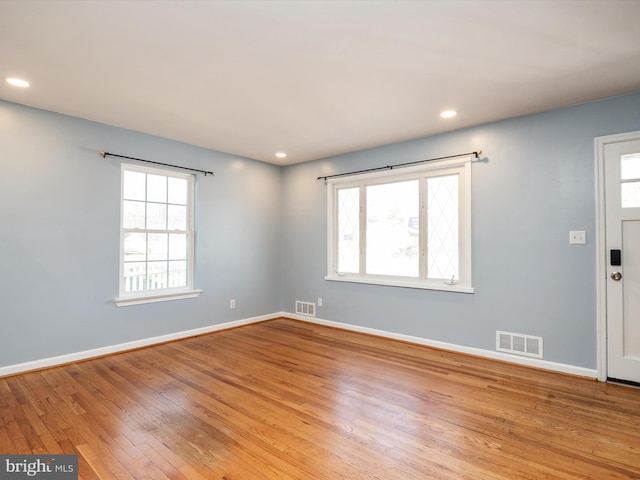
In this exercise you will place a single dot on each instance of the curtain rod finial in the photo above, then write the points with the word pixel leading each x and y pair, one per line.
pixel 102 154
pixel 478 153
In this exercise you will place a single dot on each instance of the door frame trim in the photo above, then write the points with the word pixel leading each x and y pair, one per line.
pixel 601 254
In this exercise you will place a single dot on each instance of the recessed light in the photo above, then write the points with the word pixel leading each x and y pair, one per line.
pixel 448 114
pixel 281 155
pixel 17 82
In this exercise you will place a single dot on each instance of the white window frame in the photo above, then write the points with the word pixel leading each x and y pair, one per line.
pixel 150 296
pixel 460 166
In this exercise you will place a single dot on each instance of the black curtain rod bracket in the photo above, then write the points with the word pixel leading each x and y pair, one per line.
pixel 476 154
pixel 104 154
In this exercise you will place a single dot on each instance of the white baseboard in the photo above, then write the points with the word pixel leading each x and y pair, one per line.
pixel 122 347
pixel 108 350
pixel 527 361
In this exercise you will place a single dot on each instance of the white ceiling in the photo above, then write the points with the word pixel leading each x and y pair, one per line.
pixel 313 78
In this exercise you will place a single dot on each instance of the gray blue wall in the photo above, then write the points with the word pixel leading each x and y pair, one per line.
pixel 261 236
pixel 59 231
pixel 534 184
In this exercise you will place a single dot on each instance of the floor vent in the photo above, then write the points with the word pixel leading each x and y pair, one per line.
pixel 519 344
pixel 306 308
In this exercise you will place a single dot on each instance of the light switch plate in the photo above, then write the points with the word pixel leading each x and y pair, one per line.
pixel 577 237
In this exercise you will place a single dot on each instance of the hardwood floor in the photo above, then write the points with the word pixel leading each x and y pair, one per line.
pixel 289 400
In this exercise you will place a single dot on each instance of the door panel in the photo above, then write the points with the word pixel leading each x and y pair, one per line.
pixel 631 289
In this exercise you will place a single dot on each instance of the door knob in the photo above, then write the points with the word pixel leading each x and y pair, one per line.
pixel 616 276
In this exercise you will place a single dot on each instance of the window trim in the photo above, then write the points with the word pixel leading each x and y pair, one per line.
pixel 461 166
pixel 127 300
pixel 151 296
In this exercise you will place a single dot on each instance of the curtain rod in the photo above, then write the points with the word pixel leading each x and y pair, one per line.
pixel 391 167
pixel 107 154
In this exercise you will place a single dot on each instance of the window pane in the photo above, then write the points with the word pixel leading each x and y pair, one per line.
pixel 630 194
pixel 177 217
pixel 348 230
pixel 157 246
pixel 177 274
pixel 392 239
pixel 442 227
pixel 178 190
pixel 135 276
pixel 133 214
pixel 177 246
pixel 156 216
pixel 156 275
pixel 135 247
pixel 630 166
pixel 156 188
pixel 134 185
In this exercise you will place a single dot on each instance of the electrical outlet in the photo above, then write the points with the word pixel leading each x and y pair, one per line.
pixel 319 301
pixel 232 303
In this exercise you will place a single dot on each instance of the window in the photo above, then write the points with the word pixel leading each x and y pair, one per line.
pixel 630 180
pixel 408 227
pixel 156 236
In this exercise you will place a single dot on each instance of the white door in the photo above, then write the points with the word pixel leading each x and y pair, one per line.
pixel 622 233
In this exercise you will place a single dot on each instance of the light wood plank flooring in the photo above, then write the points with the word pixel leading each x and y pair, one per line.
pixel 289 400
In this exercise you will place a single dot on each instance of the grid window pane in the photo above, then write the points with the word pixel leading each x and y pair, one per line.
pixel 157 246
pixel 177 219
pixel 156 216
pixel 135 276
pixel 177 246
pixel 134 185
pixel 177 274
pixel 156 188
pixel 348 230
pixel 156 275
pixel 135 247
pixel 392 241
pixel 442 227
pixel 178 189
pixel 133 214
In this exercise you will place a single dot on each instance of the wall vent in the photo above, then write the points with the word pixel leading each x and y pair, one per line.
pixel 519 344
pixel 306 308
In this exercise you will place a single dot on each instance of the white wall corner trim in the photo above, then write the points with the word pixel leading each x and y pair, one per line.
pixel 123 347
pixel 505 357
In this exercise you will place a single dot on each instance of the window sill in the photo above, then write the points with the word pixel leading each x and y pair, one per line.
pixel 392 282
pixel 140 299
